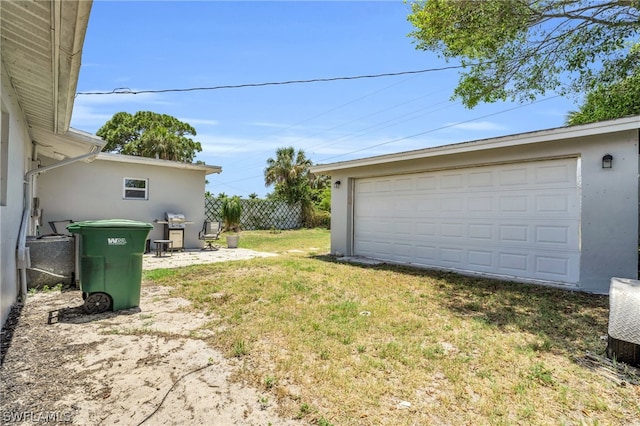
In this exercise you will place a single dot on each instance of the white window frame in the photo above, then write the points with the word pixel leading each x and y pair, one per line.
pixel 143 191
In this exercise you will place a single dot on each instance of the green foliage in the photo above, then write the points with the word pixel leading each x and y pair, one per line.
pixel 270 382
pixel 149 134
pixel 608 102
pixel 231 213
pixel 239 349
pixel 322 198
pixel 519 49
pixel 289 173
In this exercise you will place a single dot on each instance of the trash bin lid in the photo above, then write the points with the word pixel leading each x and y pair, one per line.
pixel 109 223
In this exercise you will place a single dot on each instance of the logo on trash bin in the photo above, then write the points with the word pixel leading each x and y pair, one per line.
pixel 116 241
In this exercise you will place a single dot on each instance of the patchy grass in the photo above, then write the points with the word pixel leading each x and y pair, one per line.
pixel 342 344
pixel 314 241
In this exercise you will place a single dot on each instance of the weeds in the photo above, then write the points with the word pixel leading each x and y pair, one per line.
pixel 461 350
pixel 46 289
pixel 240 349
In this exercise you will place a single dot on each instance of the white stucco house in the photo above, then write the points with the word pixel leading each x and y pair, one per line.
pixel 50 172
pixel 557 207
pixel 127 187
pixel 41 46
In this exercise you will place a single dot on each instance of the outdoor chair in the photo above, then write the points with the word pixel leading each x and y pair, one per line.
pixel 210 233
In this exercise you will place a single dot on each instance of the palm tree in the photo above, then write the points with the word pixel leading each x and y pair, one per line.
pixel 289 172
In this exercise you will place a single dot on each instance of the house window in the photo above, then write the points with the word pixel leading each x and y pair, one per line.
pixel 136 189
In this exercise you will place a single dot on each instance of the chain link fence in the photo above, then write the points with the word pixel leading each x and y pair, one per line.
pixel 259 214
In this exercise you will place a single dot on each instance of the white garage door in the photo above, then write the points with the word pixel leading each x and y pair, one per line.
pixel 519 220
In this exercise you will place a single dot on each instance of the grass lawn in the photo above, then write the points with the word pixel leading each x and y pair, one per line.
pixel 341 344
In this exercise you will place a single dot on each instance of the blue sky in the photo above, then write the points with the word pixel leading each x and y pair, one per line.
pixel 149 45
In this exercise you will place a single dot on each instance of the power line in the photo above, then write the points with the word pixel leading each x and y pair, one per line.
pixel 328 111
pixel 439 128
pixel 128 91
pixel 415 135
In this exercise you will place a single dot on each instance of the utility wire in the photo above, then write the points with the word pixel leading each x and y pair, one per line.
pixel 326 112
pixel 440 128
pixel 348 122
pixel 412 136
pixel 128 91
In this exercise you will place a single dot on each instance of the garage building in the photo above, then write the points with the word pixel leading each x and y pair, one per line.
pixel 556 207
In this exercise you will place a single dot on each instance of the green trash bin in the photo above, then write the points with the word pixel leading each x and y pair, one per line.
pixel 110 256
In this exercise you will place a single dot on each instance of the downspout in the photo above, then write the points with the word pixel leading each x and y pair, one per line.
pixel 23 255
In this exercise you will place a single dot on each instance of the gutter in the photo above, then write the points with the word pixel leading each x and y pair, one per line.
pixel 23 256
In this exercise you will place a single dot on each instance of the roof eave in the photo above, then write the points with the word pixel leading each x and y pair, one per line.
pixel 67 56
pixel 132 159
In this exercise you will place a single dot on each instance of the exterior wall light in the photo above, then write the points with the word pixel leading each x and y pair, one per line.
pixel 607 161
pixel 336 184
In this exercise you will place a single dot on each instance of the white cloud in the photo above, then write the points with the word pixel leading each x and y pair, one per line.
pixel 200 121
pixel 269 125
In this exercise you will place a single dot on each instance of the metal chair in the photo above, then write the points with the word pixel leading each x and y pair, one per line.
pixel 210 233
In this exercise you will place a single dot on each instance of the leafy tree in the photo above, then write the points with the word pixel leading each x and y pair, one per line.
pixel 609 102
pixel 149 134
pixel 519 49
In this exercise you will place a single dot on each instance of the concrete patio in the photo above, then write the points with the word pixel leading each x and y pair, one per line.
pixel 195 256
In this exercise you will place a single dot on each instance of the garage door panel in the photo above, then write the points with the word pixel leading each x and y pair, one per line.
pixel 514 233
pixel 403 252
pixel 557 236
pixel 553 203
pixel 513 204
pixel 555 173
pixel 480 231
pixel 402 184
pixel 552 265
pixel 425 254
pixel 451 256
pixel 384 185
pixel 513 263
pixel 424 205
pixel 483 205
pixel 426 183
pixel 452 204
pixel 481 179
pixel 510 176
pixel 482 259
pixel 451 230
pixel 452 181
pixel 425 229
pixel 405 228
pixel 521 220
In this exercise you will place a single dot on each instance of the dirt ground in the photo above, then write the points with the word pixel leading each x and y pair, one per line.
pixel 143 365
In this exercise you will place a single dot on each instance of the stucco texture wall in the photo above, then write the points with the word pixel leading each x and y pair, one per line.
pixel 92 191
pixel 609 197
pixel 18 148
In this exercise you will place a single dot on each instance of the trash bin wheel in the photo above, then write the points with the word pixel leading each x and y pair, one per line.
pixel 96 303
